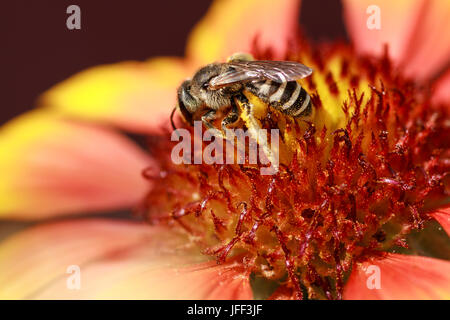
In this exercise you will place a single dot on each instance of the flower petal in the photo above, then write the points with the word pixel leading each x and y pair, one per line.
pixel 116 260
pixel 397 20
pixel 443 217
pixel 50 166
pixel 412 29
pixel 139 280
pixel 442 89
pixel 401 277
pixel 136 96
pixel 231 26
pixel 428 50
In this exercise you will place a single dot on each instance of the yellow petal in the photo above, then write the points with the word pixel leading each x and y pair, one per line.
pixel 115 260
pixel 231 26
pixel 413 29
pixel 51 166
pixel 401 277
pixel 135 278
pixel 136 96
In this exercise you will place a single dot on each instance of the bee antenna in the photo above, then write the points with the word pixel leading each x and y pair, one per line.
pixel 171 118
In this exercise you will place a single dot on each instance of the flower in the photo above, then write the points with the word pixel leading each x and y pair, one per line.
pixel 373 167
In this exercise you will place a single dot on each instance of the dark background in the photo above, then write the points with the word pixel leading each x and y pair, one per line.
pixel 37 50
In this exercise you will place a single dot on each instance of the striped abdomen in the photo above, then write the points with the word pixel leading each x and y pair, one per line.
pixel 287 97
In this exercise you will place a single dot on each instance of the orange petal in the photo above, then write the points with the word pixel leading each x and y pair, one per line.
pixel 231 26
pixel 442 89
pixel 50 166
pixel 412 29
pixel 402 277
pixel 443 217
pixel 136 96
pixel 115 260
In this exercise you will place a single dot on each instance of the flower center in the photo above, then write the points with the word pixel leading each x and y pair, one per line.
pixel 353 181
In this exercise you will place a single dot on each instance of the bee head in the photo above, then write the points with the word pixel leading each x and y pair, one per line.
pixel 201 80
pixel 211 97
pixel 186 102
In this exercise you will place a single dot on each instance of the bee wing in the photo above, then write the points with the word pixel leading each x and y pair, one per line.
pixel 278 71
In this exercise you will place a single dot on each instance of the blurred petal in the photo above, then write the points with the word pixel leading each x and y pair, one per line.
pixel 231 26
pixel 117 260
pixel 397 22
pixel 131 279
pixel 429 48
pixel 50 166
pixel 136 96
pixel 442 89
pixel 402 277
pixel 412 29
pixel 443 217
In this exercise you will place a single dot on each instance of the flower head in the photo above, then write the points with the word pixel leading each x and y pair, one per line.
pixel 353 181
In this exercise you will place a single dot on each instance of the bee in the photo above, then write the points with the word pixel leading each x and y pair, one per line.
pixel 219 86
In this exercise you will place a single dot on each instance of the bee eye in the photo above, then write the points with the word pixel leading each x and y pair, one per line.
pixel 205 85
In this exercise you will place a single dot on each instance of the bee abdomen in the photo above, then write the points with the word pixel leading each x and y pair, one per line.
pixel 288 97
pixel 299 105
pixel 263 89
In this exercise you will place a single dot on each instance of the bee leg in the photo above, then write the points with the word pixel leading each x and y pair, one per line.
pixel 255 130
pixel 207 118
pixel 232 117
